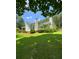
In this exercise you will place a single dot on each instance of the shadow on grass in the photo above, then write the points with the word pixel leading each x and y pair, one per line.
pixel 47 46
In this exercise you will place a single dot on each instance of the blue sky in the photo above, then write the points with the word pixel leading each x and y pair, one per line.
pixel 30 16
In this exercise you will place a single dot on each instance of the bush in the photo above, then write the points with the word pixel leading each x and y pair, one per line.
pixel 17 30
pixel 41 31
pixel 32 31
pixel 45 31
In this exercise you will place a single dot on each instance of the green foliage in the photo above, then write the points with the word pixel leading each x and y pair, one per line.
pixel 50 30
pixel 58 20
pixel 45 20
pixel 41 31
pixel 39 5
pixel 43 5
pixel 47 46
pixel 20 22
pixel 17 30
pixel 47 30
pixel 20 6
pixel 32 31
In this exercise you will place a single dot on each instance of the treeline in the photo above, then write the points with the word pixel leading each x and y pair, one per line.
pixel 57 20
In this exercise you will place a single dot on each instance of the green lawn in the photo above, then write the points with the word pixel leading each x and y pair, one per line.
pixel 21 35
pixel 39 46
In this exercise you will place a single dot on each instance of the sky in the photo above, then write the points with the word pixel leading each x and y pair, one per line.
pixel 30 16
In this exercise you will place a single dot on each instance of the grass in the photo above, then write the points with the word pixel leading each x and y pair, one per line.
pixel 57 32
pixel 39 46
pixel 21 35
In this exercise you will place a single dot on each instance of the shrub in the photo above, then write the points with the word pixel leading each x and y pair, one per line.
pixel 32 31
pixel 47 30
pixel 17 30
pixel 44 31
pixel 41 31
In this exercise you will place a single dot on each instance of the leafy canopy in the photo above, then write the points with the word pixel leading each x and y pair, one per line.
pixel 39 5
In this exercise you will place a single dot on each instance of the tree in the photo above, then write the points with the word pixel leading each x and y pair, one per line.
pixel 39 5
pixel 20 6
pixel 20 22
pixel 58 20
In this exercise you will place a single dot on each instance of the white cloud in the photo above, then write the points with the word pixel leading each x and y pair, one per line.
pixel 27 5
pixel 29 17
